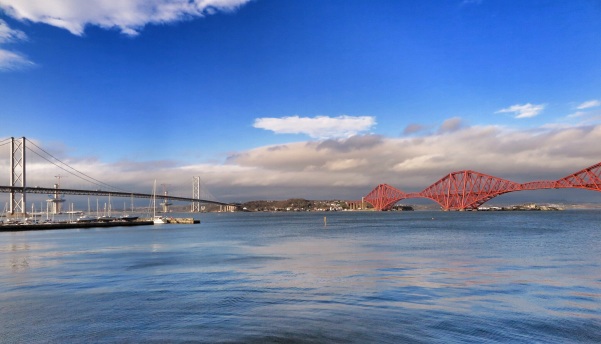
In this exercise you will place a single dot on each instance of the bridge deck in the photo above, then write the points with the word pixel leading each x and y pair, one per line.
pixel 42 190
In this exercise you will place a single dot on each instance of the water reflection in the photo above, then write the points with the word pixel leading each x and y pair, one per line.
pixel 16 256
pixel 452 283
pixel 264 278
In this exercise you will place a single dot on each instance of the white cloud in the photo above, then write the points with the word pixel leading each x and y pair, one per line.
pixel 471 2
pixel 129 16
pixel 10 35
pixel 587 113
pixel 577 114
pixel 589 104
pixel 10 60
pixel 317 127
pixel 524 111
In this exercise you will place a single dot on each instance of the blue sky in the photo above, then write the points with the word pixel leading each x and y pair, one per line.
pixel 314 99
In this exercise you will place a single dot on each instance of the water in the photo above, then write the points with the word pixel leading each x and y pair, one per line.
pixel 405 277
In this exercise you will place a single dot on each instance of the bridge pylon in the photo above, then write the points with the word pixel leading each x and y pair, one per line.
pixel 196 195
pixel 17 176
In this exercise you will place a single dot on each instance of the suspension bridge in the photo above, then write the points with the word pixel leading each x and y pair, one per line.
pixel 18 189
pixel 468 190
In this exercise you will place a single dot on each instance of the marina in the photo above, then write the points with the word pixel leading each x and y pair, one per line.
pixel 8 224
pixel 13 221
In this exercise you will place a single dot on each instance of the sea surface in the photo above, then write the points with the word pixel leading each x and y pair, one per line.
pixel 333 277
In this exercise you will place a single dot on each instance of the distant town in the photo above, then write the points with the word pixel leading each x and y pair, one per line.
pixel 304 205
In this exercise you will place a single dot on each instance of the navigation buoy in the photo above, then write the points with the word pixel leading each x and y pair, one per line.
pixel 325 221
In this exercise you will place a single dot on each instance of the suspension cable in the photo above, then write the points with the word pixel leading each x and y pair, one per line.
pixel 85 177
pixel 5 142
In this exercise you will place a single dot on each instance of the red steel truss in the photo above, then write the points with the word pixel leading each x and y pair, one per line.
pixel 588 178
pixel 467 190
pixel 384 196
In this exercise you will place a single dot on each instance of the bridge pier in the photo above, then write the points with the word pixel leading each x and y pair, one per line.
pixel 356 205
pixel 195 195
pixel 17 177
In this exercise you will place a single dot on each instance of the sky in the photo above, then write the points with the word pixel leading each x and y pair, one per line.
pixel 272 99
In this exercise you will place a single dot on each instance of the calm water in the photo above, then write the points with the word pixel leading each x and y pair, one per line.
pixel 414 277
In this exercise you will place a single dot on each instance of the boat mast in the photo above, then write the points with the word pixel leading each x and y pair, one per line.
pixel 154 199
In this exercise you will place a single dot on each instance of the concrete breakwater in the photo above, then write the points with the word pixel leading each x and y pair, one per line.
pixel 183 220
pixel 178 220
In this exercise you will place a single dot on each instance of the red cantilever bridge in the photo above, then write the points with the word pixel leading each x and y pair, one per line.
pixel 467 190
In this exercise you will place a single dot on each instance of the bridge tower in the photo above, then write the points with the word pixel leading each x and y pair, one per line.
pixel 17 176
pixel 196 195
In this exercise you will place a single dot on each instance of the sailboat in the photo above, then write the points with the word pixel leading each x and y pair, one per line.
pixel 128 217
pixel 156 219
pixel 87 218
pixel 107 215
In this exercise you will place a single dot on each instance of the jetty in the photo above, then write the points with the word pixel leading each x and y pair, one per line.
pixel 69 225
pixel 37 226
pixel 183 220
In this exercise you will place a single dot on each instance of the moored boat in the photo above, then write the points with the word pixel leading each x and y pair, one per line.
pixel 128 217
pixel 106 218
pixel 157 220
pixel 86 218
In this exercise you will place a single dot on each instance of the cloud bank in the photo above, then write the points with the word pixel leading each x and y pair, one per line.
pixel 128 16
pixel 320 127
pixel 348 168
